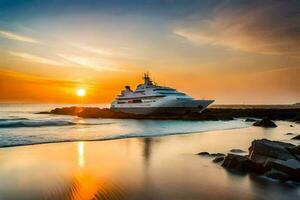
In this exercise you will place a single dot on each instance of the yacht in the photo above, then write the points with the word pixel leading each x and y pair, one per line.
pixel 150 98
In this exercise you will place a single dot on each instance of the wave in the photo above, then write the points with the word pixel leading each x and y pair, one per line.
pixel 17 123
pixel 13 119
pixel 26 142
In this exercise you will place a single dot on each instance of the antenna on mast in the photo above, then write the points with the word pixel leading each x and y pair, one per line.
pixel 147 79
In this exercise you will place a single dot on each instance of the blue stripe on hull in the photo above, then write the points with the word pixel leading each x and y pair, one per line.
pixel 159 110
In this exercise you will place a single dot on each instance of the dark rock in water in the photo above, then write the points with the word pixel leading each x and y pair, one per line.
pixel 262 150
pixel 265 122
pixel 250 120
pixel 217 154
pixel 65 111
pixel 290 167
pixel 277 175
pixel 204 153
pixel 236 162
pixel 218 159
pixel 295 150
pixel 296 137
pixel 297 118
pixel 237 151
pixel 277 160
pixel 290 133
pixel 265 155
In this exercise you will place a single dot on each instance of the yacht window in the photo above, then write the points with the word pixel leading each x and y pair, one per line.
pixel 183 99
pixel 136 101
pixel 141 91
pixel 165 89
pixel 173 93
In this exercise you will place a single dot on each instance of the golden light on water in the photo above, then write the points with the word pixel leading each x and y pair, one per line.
pixel 81 159
pixel 80 92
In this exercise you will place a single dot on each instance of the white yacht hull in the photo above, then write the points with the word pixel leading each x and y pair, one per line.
pixel 165 107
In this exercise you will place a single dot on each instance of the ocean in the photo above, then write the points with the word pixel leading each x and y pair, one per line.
pixel 126 159
pixel 20 125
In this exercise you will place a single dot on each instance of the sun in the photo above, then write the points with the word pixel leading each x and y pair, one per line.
pixel 80 92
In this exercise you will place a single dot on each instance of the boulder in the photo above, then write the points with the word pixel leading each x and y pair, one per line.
pixel 204 153
pixel 218 159
pixel 237 151
pixel 274 159
pixel 67 110
pixel 250 120
pixel 217 154
pixel 236 162
pixel 295 150
pixel 296 137
pixel 291 125
pixel 290 167
pixel 290 133
pixel 297 119
pixel 278 175
pixel 262 152
pixel 266 123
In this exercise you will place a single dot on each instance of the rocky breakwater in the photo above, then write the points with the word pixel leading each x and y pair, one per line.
pixel 290 114
pixel 266 123
pixel 273 159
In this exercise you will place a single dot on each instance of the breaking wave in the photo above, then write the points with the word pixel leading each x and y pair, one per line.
pixel 12 119
pixel 23 122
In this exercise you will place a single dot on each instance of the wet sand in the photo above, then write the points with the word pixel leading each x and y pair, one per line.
pixel 140 168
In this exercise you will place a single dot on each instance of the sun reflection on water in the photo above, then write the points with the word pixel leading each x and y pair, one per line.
pixel 81 160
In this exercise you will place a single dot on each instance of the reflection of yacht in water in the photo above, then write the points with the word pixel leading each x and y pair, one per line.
pixel 150 98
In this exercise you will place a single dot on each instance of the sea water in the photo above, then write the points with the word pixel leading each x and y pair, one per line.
pixel 21 125
pixel 142 167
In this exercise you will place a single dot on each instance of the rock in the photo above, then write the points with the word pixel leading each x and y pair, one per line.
pixel 67 110
pixel 250 120
pixel 290 114
pixel 263 151
pixel 237 151
pixel 266 123
pixel 218 159
pixel 236 162
pixel 204 153
pixel 278 175
pixel 290 167
pixel 294 150
pixel 297 118
pixel 290 133
pixel 296 137
pixel 291 125
pixel 217 154
pixel 276 160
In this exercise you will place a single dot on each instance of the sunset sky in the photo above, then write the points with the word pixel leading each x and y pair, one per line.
pixel 231 51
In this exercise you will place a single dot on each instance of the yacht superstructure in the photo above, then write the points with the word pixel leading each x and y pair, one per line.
pixel 150 98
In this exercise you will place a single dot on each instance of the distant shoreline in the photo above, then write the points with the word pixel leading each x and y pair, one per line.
pixel 265 106
pixel 288 114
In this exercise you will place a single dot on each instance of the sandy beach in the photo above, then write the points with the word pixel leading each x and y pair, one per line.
pixel 140 168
